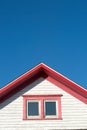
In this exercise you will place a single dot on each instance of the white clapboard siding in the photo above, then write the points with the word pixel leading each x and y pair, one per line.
pixel 74 112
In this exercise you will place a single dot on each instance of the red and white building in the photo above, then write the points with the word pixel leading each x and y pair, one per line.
pixel 42 99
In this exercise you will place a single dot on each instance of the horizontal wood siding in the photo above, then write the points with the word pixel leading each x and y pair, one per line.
pixel 74 112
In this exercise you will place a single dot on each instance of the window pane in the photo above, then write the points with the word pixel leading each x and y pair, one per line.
pixel 33 108
pixel 50 108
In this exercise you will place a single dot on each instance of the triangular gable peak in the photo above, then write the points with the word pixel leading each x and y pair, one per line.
pixel 51 75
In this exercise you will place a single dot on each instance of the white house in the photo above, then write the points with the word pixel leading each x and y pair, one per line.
pixel 43 99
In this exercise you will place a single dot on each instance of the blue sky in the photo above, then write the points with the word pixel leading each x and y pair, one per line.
pixel 49 31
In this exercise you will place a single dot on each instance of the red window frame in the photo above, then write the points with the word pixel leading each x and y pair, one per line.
pixel 42 98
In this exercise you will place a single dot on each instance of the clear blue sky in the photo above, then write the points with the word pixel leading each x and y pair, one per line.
pixel 49 31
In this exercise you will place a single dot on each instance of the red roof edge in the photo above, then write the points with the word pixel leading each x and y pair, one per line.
pixel 37 72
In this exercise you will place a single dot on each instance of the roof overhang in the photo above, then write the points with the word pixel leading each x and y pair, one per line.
pixel 44 71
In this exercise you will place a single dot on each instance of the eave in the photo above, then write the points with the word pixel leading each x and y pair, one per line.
pixel 44 71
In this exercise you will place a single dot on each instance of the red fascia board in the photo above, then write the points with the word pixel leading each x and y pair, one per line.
pixel 50 72
pixel 65 80
pixel 21 79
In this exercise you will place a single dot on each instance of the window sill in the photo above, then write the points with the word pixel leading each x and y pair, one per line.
pixel 43 119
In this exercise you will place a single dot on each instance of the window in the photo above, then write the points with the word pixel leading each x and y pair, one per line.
pixel 42 107
pixel 32 108
pixel 50 108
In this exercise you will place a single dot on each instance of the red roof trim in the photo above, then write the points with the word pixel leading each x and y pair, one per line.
pixel 40 70
pixel 21 78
